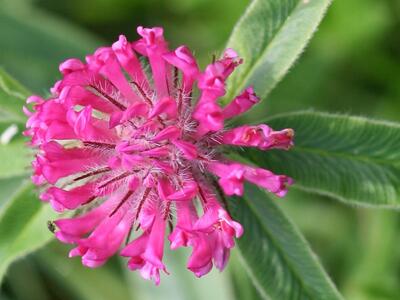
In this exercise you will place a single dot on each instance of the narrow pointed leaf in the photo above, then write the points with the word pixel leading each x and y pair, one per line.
pixel 276 256
pixel 353 159
pixel 269 37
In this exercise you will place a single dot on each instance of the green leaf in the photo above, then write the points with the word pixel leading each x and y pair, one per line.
pixel 275 254
pixel 22 226
pixel 32 43
pixel 12 97
pixel 25 281
pixel 16 159
pixel 20 213
pixel 241 282
pixel 270 36
pixel 8 187
pixel 15 155
pixel 353 159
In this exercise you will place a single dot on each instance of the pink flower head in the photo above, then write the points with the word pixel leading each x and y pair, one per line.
pixel 126 146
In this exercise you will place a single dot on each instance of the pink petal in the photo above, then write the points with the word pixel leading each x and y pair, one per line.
pixel 128 60
pixel 164 106
pixel 169 133
pixel 183 59
pixel 241 103
pixel 188 149
pixel 71 65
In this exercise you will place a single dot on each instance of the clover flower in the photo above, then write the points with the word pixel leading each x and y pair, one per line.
pixel 132 141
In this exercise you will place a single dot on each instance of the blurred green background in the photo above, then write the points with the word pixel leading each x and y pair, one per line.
pixel 352 65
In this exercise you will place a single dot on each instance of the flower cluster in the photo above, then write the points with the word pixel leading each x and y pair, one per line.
pixel 122 141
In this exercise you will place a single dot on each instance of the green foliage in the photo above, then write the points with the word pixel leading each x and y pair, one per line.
pixel 8 187
pixel 33 45
pixel 100 284
pixel 26 282
pixel 374 274
pixel 275 254
pixel 270 36
pixel 21 220
pixel 16 161
pixel 242 283
pixel 22 225
pixel 352 159
pixel 23 54
pixel 12 97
